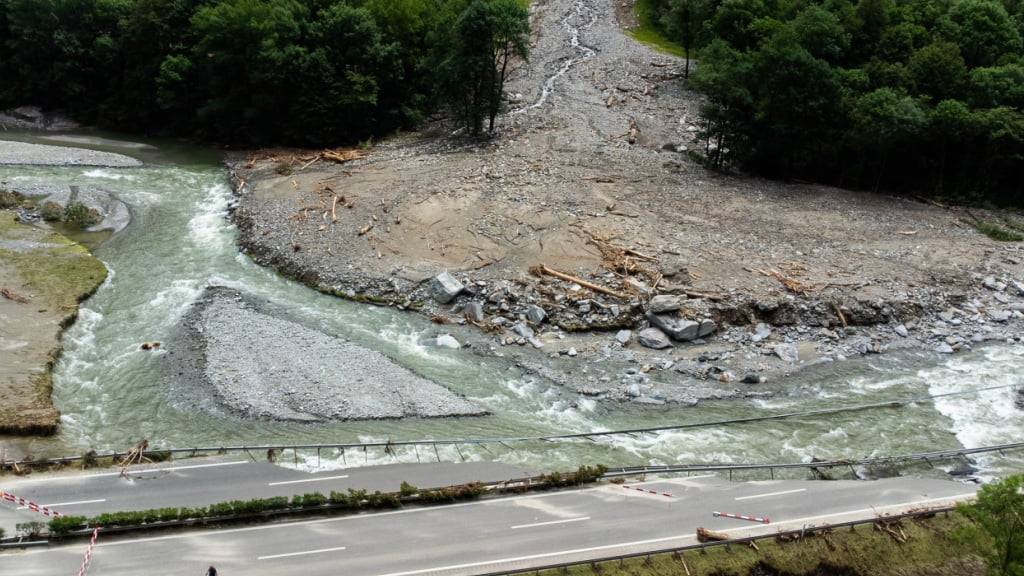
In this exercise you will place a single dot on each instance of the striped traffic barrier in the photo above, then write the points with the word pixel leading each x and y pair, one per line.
pixel 88 552
pixel 741 517
pixel 655 492
pixel 8 497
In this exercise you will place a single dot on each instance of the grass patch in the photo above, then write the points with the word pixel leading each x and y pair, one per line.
pixel 932 548
pixel 997 232
pixel 648 32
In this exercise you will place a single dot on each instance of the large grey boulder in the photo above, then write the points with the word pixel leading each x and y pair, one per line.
pixel 663 303
pixel 761 331
pixel 707 328
pixel 787 352
pixel 445 287
pixel 623 337
pixel 653 338
pixel 535 314
pixel 677 328
pixel 475 311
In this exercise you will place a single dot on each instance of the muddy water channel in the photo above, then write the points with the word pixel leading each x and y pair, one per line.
pixel 180 241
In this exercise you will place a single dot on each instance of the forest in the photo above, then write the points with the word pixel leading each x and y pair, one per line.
pixel 256 72
pixel 916 96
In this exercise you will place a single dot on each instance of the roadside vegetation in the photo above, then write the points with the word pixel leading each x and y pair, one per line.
pixel 983 537
pixel 251 72
pixel 921 96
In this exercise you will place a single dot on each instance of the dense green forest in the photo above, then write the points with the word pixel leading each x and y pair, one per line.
pixel 922 96
pixel 309 72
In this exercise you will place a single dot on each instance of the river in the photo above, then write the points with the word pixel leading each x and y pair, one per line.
pixel 111 393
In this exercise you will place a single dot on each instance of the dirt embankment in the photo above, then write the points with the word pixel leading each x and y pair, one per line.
pixel 590 176
pixel 43 277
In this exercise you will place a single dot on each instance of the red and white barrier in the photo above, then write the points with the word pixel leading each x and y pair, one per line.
pixel 655 492
pixel 742 517
pixel 8 497
pixel 88 552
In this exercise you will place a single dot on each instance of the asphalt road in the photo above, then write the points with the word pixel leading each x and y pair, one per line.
pixel 204 481
pixel 494 534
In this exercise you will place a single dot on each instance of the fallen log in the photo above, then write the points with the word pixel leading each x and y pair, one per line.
pixel 705 535
pixel 542 270
pixel 13 296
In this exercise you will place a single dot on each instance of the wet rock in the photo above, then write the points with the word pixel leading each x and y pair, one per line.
pixel 448 341
pixel 752 379
pixel 633 390
pixel 707 328
pixel 475 311
pixel 761 331
pixel 535 314
pixel 944 348
pixel 963 469
pixel 1018 287
pixel 623 336
pixel 787 352
pixel 663 303
pixel 992 284
pixel 902 331
pixel 535 342
pixel 522 330
pixel 653 338
pixel 999 315
pixel 445 287
pixel 677 328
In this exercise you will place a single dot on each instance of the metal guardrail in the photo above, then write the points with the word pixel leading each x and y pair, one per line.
pixel 801 532
pixel 389 445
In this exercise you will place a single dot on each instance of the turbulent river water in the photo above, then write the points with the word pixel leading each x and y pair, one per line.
pixel 180 241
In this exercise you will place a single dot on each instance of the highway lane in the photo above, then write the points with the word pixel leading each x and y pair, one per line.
pixel 204 481
pixel 495 534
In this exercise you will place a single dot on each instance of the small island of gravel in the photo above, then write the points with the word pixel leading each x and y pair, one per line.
pixel 43 155
pixel 234 355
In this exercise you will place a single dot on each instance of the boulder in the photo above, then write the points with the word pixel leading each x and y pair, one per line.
pixel 787 352
pixel 623 336
pixel 902 331
pixel 535 314
pixel 522 330
pixel 448 341
pixel 992 284
pixel 1018 286
pixel 474 311
pixel 653 338
pixel 707 328
pixel 663 303
pixel 677 328
pixel 445 287
pixel 944 348
pixel 999 315
pixel 761 331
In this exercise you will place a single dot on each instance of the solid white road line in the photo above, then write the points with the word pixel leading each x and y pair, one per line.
pixel 771 494
pixel 65 504
pixel 666 539
pixel 290 554
pixel 322 479
pixel 86 477
pixel 567 520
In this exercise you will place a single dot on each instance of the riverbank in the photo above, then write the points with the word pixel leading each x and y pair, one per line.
pixel 44 277
pixel 683 284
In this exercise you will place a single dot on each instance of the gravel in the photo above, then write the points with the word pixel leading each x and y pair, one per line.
pixel 234 356
pixel 43 155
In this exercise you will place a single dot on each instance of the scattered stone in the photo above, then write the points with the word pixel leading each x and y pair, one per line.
pixel 571 352
pixel 944 348
pixel 707 328
pixel 653 338
pixel 535 314
pixel 445 287
pixel 663 303
pixel 522 330
pixel 677 328
pixel 902 331
pixel 623 336
pixel 150 345
pixel 535 342
pixel 448 341
pixel 761 332
pixel 1018 286
pixel 752 379
pixel 633 390
pixel 963 469
pixel 992 284
pixel 475 311
pixel 787 352
pixel 999 315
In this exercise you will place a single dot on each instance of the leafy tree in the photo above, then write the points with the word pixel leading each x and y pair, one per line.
pixel 938 70
pixel 998 86
pixel 983 29
pixel 734 19
pixel 683 21
pixel 883 120
pixel 489 34
pixel 726 116
pixel 998 516
pixel 821 34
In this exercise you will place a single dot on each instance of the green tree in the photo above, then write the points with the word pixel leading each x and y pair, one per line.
pixel 820 33
pixel 983 29
pixel 684 21
pixel 938 70
pixel 489 34
pixel 998 529
pixel 882 121
pixel 727 113
pixel 734 19
pixel 998 86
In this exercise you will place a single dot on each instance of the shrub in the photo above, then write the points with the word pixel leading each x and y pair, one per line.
pixel 997 232
pixel 64 524
pixel 998 519
pixel 51 212
pixel 9 199
pixel 407 489
pixel 81 216
pixel 29 529
pixel 313 499
pixel 220 509
pixel 167 514
pixel 283 168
